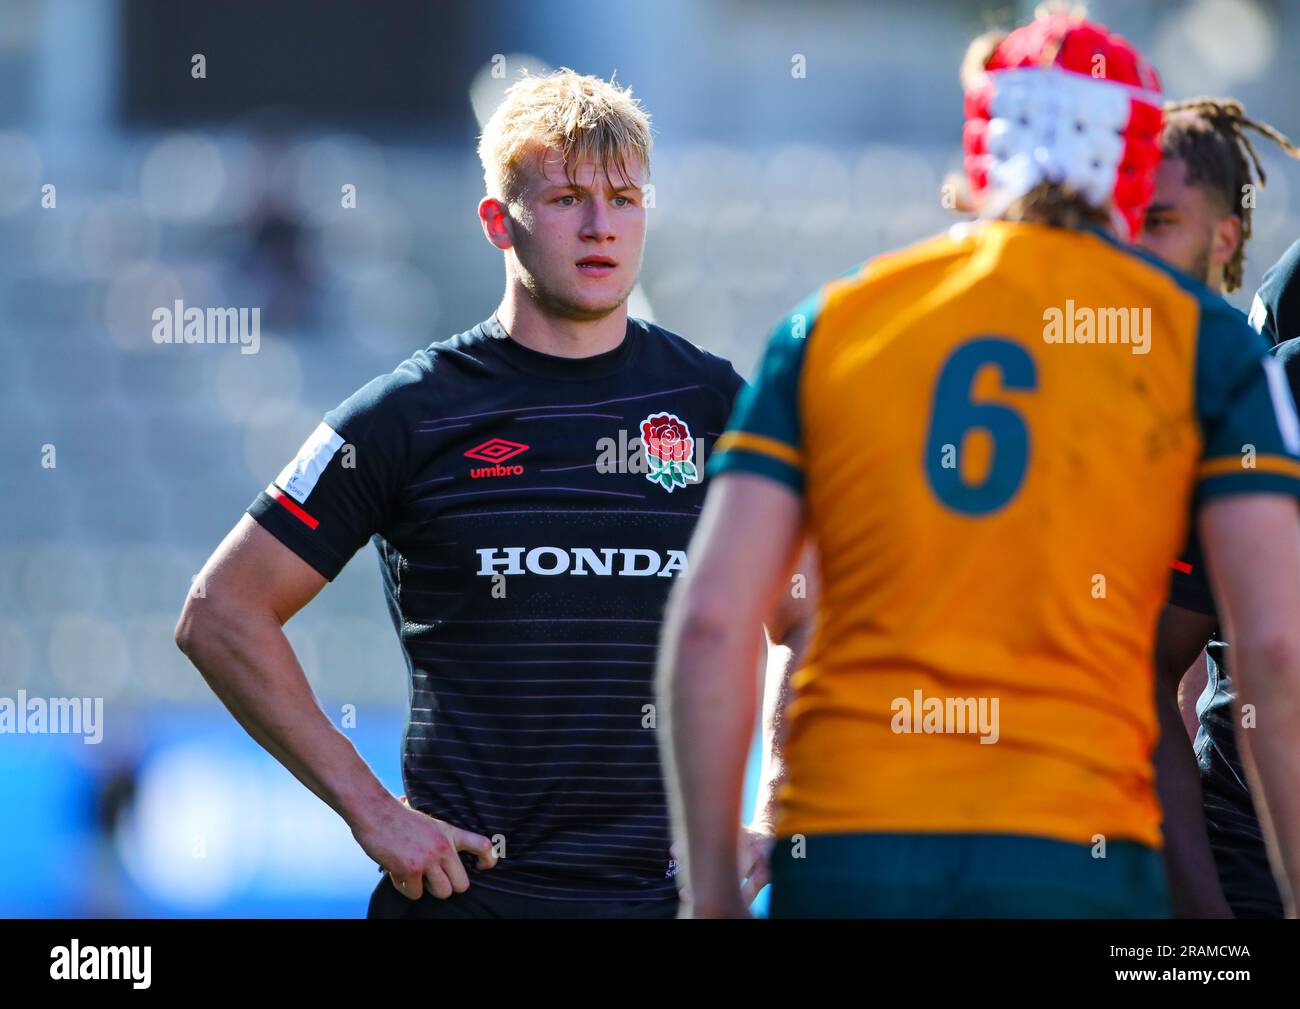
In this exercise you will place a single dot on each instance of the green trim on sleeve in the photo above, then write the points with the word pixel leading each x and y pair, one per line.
pixel 1247 482
pixel 740 460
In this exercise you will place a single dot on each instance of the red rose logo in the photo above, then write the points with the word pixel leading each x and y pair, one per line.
pixel 667 438
pixel 668 450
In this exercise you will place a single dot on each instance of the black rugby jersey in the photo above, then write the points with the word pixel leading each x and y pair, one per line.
pixel 531 513
pixel 1275 309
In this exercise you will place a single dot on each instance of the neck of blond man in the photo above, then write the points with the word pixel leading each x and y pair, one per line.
pixel 531 325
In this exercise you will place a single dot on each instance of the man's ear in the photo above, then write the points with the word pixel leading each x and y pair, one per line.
pixel 496 222
pixel 1227 237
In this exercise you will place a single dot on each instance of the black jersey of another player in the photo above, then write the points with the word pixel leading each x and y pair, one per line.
pixel 1275 310
pixel 531 513
pixel 1236 838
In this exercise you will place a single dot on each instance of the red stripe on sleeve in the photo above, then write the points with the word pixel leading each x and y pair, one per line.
pixel 294 510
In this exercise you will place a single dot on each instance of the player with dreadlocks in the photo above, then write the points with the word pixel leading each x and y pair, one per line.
pixel 1200 217
pixel 1200 221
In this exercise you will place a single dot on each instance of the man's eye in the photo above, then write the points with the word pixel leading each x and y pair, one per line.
pixel 622 201
pixel 567 201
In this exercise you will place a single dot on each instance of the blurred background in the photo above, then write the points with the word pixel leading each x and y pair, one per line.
pixel 161 150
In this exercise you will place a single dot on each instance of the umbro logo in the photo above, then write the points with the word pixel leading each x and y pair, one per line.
pixel 496 451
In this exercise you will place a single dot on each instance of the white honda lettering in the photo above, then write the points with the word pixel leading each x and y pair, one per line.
pixel 630 556
pixel 488 561
pixel 586 556
pixel 535 556
pixel 676 562
pixel 636 562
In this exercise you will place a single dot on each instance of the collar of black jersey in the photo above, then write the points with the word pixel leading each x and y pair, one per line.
pixel 550 366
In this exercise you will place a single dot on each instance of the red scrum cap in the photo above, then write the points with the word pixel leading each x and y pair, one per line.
pixel 1065 100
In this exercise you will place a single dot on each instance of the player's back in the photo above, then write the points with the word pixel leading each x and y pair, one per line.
pixel 1000 441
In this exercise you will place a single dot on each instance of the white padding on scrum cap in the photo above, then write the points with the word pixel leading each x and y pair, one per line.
pixel 1051 125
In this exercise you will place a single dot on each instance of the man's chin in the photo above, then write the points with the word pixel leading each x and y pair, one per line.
pixel 593 313
pixel 579 308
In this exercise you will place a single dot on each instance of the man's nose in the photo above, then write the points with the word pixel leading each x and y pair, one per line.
pixel 597 224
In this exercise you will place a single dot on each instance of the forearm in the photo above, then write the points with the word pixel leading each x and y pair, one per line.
pixel 250 665
pixel 1193 878
pixel 711 702
pixel 1270 684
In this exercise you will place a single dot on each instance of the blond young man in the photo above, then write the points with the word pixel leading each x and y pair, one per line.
pixel 531 485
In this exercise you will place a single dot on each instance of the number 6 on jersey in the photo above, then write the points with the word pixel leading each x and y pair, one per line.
pixel 954 416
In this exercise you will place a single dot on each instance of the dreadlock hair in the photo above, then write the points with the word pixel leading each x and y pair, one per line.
pixel 1209 135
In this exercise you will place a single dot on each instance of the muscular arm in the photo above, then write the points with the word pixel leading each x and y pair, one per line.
pixel 233 633
pixel 1253 546
pixel 1193 879
pixel 741 556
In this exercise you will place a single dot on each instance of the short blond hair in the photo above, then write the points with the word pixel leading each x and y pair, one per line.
pixel 579 116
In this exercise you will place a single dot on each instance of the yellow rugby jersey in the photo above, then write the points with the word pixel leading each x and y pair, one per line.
pixel 998 435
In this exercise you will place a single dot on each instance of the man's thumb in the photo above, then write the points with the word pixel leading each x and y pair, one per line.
pixel 476 844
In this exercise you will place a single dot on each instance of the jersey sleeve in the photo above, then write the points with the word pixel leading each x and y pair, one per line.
pixel 1247 414
pixel 342 486
pixel 763 435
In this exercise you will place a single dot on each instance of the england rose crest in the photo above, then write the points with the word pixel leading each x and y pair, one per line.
pixel 668 451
